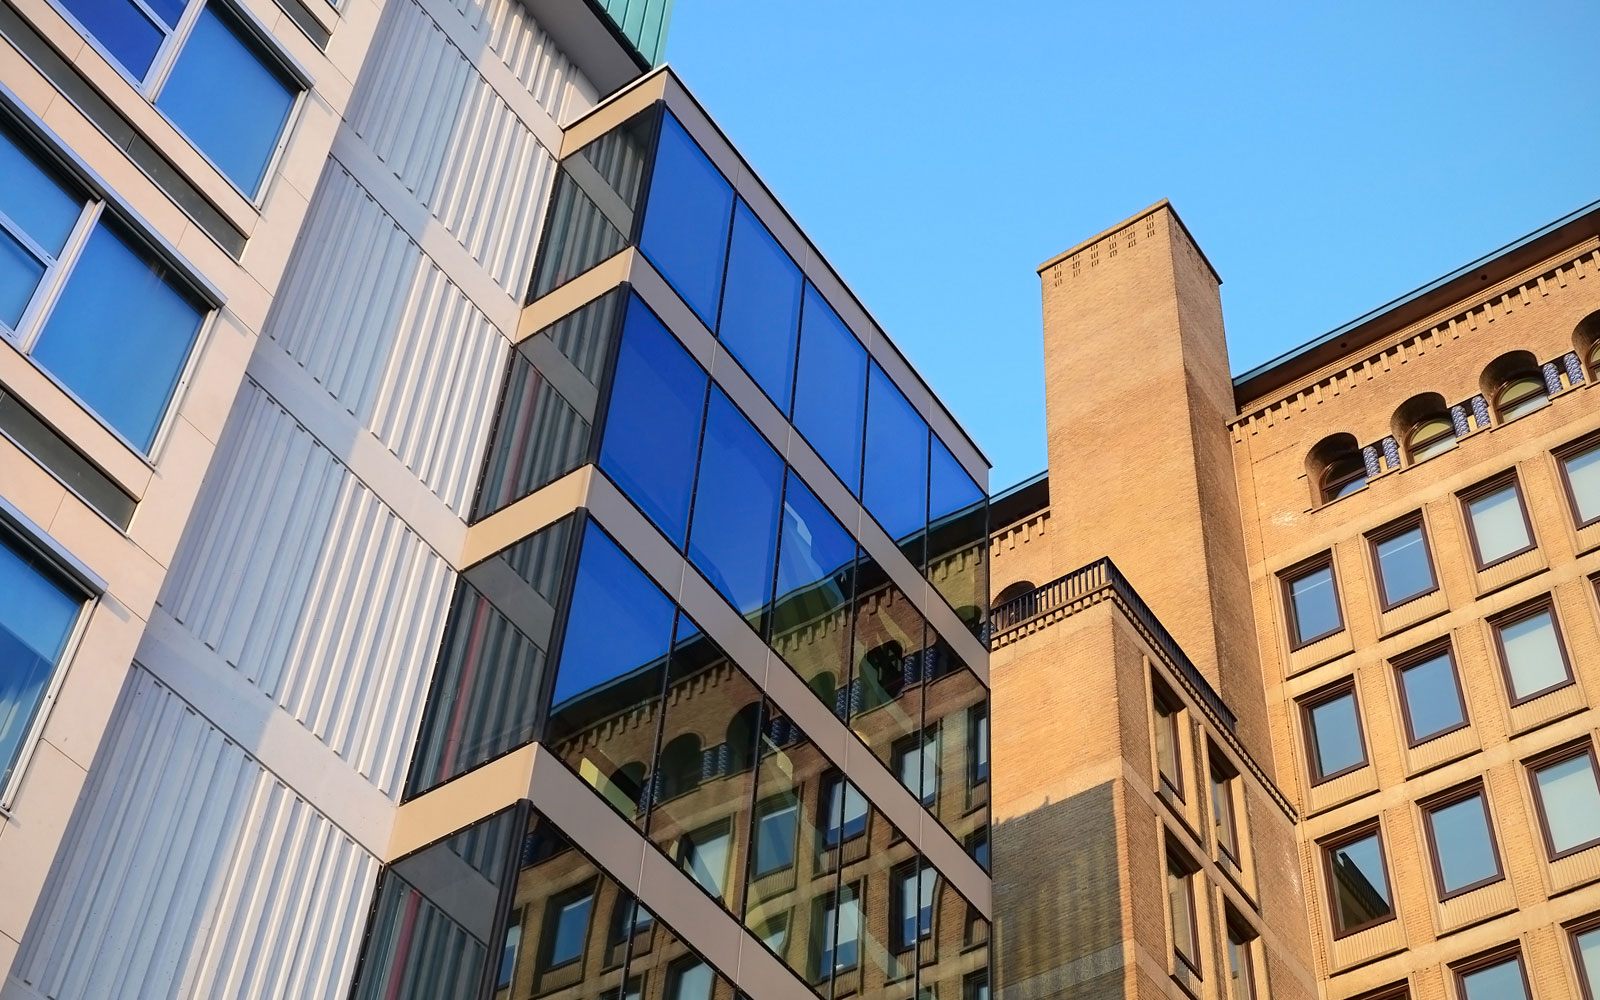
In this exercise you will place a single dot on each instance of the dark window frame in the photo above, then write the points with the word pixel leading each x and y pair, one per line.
pixel 1323 695
pixel 1511 952
pixel 1298 571
pixel 1168 711
pixel 1333 479
pixel 1235 925
pixel 1413 445
pixel 1574 929
pixel 1392 530
pixel 770 806
pixel 1327 846
pixel 1560 755
pixel 1179 864
pixel 1572 449
pixel 1405 661
pixel 554 906
pixel 1476 788
pixel 1544 603
pixel 1477 492
pixel 831 779
pixel 1219 767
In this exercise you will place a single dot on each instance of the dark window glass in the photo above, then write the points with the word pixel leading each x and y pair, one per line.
pixel 1404 569
pixel 761 306
pixel 653 424
pixel 66 462
pixel 129 378
pixel 956 706
pixel 830 389
pixel 547 408
pixel 1167 743
pixel 124 30
pixel 1180 907
pixel 1360 885
pixel 569 927
pixel 1224 822
pixel 483 700
pixel 1462 843
pixel 958 539
pixel 1569 803
pixel 229 99
pixel 508 952
pixel 978 847
pixel 895 488
pixel 37 615
pixel 841 933
pixel 1587 945
pixel 1583 481
pixel 690 979
pixel 1313 605
pixel 1431 697
pixel 911 896
pixel 1335 735
pixel 1535 660
pixel 1499 529
pixel 816 581
pixel 734 538
pixel 1241 975
pixel 424 919
pixel 619 625
pixel 686 220
pixel 1501 981
pixel 775 836
pixel 886 692
pixel 978 742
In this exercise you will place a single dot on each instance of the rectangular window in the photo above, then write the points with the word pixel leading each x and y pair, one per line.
pixel 846 811
pixel 978 744
pixel 83 296
pixel 1586 955
pixel 1181 910
pixel 1566 785
pixel 1405 566
pixel 1334 741
pixel 1465 856
pixel 704 855
pixel 1169 740
pixel 1357 880
pixel 838 943
pixel 1430 694
pixel 508 951
pixel 38 614
pixel 912 901
pixel 1499 976
pixel 690 979
pixel 1533 656
pixel 1580 474
pixel 567 927
pixel 1241 963
pixel 775 833
pixel 1313 601
pixel 916 764
pixel 1497 521
pixel 1224 821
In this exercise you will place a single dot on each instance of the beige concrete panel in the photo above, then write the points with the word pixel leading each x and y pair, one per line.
pixel 606 837
pixel 511 524
pixel 674 312
pixel 27 83
pixel 131 575
pixel 284 208
pixel 1320 652
pixel 375 465
pixel 28 487
pixel 460 802
pixel 209 396
pixel 8 956
pixel 347 46
pixel 615 110
pixel 162 514
pixel 91 681
pixel 578 292
pixel 1411 613
pixel 30 384
pixel 281 744
pixel 48 792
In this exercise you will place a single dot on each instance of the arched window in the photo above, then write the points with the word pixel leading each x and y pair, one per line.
pixel 1423 423
pixel 882 674
pixel 1515 386
pixel 742 738
pixel 680 767
pixel 1335 467
pixel 1586 341
pixel 1014 591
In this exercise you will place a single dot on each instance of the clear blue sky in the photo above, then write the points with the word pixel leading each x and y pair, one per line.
pixel 1328 157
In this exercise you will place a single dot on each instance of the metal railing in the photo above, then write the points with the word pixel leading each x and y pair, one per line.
pixel 1089 580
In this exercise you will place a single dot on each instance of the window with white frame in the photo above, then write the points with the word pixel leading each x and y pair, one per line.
pixel 208 68
pixel 38 614
pixel 85 297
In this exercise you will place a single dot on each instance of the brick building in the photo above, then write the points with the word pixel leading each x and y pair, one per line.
pixel 1292 691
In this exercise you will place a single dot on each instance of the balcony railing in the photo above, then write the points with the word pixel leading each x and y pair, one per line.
pixel 1090 580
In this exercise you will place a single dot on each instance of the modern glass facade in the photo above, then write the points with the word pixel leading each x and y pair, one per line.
pixel 567 639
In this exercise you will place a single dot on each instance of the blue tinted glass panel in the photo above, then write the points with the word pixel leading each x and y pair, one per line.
pixel 896 484
pixel 1432 700
pixel 620 623
pixel 227 100
pixel 122 30
pixel 830 389
pixel 20 272
pixel 761 306
pixel 119 336
pixel 653 426
pixel 33 198
pixel 958 537
pixel 686 220
pixel 36 616
pixel 734 540
pixel 816 572
pixel 168 10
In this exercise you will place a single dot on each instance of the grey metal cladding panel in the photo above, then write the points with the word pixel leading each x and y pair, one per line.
pixel 381 328
pixel 513 35
pixel 454 143
pixel 313 590
pixel 189 871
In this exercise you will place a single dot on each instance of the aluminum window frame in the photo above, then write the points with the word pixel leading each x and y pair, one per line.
pixel 1388 532
pixel 1543 604
pixel 1560 755
pixel 1477 492
pixel 1478 789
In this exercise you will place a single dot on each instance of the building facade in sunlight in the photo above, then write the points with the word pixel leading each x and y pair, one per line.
pixel 1292 691
pixel 475 545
